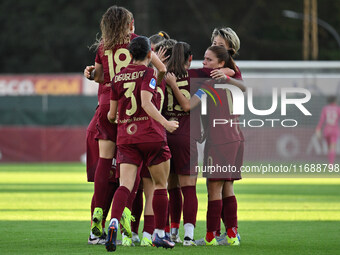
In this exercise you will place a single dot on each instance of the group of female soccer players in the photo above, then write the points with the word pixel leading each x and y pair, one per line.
pixel 147 108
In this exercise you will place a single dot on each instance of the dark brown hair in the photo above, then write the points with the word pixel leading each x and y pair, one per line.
pixel 168 45
pixel 179 58
pixel 223 54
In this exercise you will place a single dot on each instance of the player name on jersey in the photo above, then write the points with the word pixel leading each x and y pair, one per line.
pixel 129 76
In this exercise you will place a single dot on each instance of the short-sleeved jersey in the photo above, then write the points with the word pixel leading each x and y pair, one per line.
pixel 330 116
pixel 223 133
pixel 113 61
pixel 134 124
pixel 172 109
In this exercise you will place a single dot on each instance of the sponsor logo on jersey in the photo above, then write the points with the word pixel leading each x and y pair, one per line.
pixel 152 83
pixel 131 129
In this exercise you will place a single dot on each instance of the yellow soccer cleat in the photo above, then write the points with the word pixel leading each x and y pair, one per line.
pixel 97 218
pixel 125 221
pixel 233 241
pixel 127 241
pixel 211 243
pixel 146 242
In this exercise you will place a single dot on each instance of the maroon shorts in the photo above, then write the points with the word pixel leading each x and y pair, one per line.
pixel 105 129
pixel 184 155
pixel 144 172
pixel 92 157
pixel 223 162
pixel 150 153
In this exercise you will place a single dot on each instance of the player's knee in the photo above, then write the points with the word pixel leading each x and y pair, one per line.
pixel 187 180
pixel 127 184
pixel 160 184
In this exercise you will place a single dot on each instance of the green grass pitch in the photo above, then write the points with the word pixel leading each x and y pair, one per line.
pixel 45 209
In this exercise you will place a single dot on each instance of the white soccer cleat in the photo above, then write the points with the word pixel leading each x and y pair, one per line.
pixel 135 238
pixel 189 242
pixel 97 240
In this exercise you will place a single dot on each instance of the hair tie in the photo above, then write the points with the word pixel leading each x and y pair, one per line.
pixel 161 34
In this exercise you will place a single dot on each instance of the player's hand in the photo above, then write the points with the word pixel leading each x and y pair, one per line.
pixel 161 52
pixel 170 79
pixel 219 75
pixel 111 117
pixel 228 71
pixel 87 71
pixel 171 126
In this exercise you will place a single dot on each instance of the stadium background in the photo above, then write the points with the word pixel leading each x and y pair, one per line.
pixel 44 117
pixel 46 104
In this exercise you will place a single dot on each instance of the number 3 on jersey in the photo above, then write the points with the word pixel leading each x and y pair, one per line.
pixel 116 59
pixel 130 86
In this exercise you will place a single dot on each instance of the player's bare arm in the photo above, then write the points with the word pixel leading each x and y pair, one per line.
pixel 228 71
pixel 186 104
pixel 183 101
pixel 152 111
pixel 111 115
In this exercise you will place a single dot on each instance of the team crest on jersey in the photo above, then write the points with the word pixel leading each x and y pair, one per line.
pixel 131 129
pixel 152 83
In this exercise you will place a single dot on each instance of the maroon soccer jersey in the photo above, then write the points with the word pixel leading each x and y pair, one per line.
pixel 134 124
pixel 113 61
pixel 223 133
pixel 172 109
pixel 238 74
pixel 199 73
pixel 161 91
